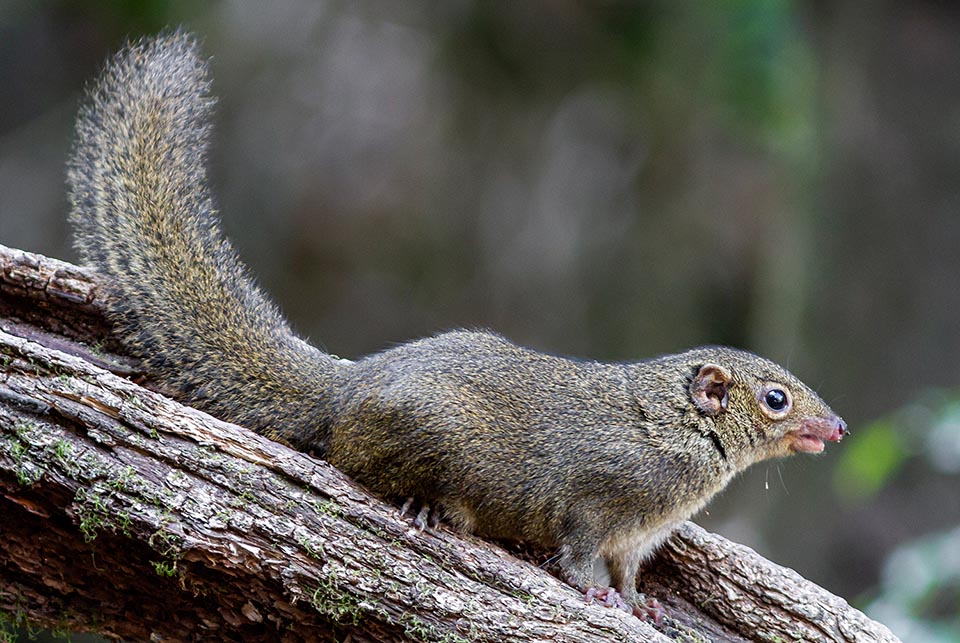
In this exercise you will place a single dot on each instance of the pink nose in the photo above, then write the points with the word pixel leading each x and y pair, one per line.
pixel 842 429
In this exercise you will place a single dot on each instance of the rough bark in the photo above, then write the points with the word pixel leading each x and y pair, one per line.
pixel 129 514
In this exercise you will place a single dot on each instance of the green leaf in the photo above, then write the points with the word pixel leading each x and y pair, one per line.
pixel 869 461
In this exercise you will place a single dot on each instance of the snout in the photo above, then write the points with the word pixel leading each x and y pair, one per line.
pixel 813 432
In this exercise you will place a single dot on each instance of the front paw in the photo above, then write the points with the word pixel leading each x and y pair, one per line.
pixel 646 609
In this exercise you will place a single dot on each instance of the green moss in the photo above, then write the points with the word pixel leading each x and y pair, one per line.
pixel 329 508
pixel 337 605
pixel 13 624
pixel 124 523
pixel 61 450
pixel 125 481
pixel 26 476
pixel 22 428
pixel 418 629
pixel 17 451
pixel 91 515
pixel 62 453
pixel 313 549
pixel 18 446
pixel 526 597
pixel 95 513
pixel 170 547
pixel 166 544
pixel 164 568
pixel 8 630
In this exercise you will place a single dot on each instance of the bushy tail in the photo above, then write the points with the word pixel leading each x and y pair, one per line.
pixel 179 296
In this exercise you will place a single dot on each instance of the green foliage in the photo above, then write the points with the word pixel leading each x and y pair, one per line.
pixel 133 16
pixel 919 594
pixel 943 437
pixel 869 462
pixel 924 433
pixel 757 43
pixel 920 591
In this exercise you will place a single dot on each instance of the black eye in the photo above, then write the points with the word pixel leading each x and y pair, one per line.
pixel 776 399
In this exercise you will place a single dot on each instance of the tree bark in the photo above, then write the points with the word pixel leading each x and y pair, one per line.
pixel 128 514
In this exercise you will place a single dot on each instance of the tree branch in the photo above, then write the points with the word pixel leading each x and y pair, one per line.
pixel 129 514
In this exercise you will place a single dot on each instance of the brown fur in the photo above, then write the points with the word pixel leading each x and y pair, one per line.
pixel 595 459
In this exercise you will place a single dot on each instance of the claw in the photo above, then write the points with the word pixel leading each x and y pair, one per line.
pixel 424 518
pixel 406 506
pixel 650 610
pixel 608 597
pixel 420 522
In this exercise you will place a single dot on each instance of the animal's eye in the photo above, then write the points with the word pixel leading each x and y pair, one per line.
pixel 776 399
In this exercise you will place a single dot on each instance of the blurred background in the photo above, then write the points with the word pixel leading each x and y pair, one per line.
pixel 601 179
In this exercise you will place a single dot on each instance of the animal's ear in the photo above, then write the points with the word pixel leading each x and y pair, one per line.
pixel 709 389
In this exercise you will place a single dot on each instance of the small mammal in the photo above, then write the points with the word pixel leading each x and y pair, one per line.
pixel 596 459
